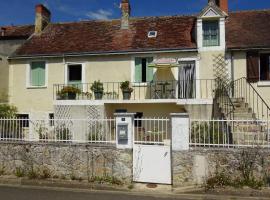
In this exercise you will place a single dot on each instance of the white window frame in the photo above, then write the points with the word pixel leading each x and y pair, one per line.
pixel 222 42
pixel 83 72
pixel 132 66
pixel 28 75
pixel 152 36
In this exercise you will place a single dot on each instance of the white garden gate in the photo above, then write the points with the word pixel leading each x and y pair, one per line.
pixel 152 151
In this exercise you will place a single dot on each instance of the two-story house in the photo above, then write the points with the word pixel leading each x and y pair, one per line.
pixel 79 69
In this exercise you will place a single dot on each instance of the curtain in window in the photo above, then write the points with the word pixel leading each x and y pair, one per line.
pixel 187 86
pixel 210 33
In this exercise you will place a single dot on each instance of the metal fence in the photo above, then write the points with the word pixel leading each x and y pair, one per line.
pixel 229 133
pixel 169 89
pixel 152 131
pixel 59 130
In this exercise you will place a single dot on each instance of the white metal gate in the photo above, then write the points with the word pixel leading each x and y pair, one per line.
pixel 152 151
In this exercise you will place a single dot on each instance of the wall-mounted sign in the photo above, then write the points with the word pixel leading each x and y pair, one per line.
pixel 165 61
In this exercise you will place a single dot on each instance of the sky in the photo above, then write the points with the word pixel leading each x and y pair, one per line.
pixel 18 12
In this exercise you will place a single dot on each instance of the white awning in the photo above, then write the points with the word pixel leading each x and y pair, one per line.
pixel 163 65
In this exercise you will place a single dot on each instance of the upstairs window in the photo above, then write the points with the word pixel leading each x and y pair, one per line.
pixel 265 67
pixel 143 73
pixel 152 34
pixel 37 74
pixel 211 33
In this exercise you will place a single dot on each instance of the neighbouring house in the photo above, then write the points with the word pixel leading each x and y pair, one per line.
pixel 11 37
pixel 173 64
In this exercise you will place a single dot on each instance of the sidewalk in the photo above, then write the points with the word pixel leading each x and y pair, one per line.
pixel 161 191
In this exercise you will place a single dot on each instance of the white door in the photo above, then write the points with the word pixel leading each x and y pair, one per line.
pixel 152 164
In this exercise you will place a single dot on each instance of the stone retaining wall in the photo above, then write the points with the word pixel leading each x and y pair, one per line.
pixel 67 161
pixel 86 161
pixel 196 166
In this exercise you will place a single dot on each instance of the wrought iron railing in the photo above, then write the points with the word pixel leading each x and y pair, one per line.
pixel 226 133
pixel 244 90
pixel 169 89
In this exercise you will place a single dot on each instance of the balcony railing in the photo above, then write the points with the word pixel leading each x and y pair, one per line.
pixel 170 89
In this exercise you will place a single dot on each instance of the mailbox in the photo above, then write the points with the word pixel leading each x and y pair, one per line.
pixel 122 134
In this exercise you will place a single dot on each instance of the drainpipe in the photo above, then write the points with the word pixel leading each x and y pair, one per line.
pixel 232 66
pixel 232 71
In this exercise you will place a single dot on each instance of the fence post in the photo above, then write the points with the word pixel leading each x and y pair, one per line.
pixel 180 131
pixel 124 130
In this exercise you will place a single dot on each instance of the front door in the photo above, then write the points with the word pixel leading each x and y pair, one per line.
pixel 186 79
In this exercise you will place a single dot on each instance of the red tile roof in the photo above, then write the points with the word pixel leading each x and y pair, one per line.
pixel 245 29
pixel 14 32
pixel 248 29
pixel 107 36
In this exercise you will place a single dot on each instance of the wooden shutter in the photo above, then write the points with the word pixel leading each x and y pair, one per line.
pixel 253 60
pixel 138 70
pixel 149 70
pixel 38 74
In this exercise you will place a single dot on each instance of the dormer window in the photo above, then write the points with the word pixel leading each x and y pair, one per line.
pixel 152 34
pixel 211 36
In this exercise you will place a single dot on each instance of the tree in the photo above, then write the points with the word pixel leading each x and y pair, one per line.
pixel 7 111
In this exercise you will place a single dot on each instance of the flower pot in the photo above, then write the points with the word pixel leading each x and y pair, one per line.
pixel 98 95
pixel 71 96
pixel 126 95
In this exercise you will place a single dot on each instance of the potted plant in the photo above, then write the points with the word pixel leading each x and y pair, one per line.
pixel 69 92
pixel 97 88
pixel 126 90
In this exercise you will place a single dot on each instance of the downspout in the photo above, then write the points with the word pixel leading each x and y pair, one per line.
pixel 232 71
pixel 232 66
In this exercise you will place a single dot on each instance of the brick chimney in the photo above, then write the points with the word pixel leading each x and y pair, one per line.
pixel 222 4
pixel 43 18
pixel 125 8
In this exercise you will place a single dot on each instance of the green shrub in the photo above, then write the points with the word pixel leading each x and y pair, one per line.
pixel 7 111
pixel 19 172
pixel 209 132
pixel 106 179
pixel 32 174
pixel 63 133
pixel 45 173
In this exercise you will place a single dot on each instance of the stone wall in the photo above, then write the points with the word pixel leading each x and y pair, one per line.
pixel 196 166
pixel 67 161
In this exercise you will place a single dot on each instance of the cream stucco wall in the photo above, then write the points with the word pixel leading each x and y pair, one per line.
pixel 148 110
pixel 240 70
pixel 116 68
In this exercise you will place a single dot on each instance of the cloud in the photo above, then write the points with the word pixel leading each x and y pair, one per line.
pixel 100 14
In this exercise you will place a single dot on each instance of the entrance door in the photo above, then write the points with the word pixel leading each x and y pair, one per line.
pixel 152 151
pixel 152 164
pixel 186 79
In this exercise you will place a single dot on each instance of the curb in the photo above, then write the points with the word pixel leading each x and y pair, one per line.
pixel 61 184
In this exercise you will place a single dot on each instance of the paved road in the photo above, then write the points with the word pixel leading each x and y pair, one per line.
pixel 30 193
pixel 37 193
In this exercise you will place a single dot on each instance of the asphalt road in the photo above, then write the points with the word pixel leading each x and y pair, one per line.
pixel 30 193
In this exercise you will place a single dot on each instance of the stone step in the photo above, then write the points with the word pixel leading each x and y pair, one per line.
pixel 252 129
pixel 249 137
pixel 237 100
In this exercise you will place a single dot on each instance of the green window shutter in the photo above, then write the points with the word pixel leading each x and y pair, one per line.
pixel 138 69
pixel 149 70
pixel 38 74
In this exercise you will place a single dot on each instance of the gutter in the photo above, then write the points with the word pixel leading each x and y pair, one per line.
pixel 103 53
pixel 248 49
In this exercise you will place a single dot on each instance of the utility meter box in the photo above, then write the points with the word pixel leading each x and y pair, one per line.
pixel 122 134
